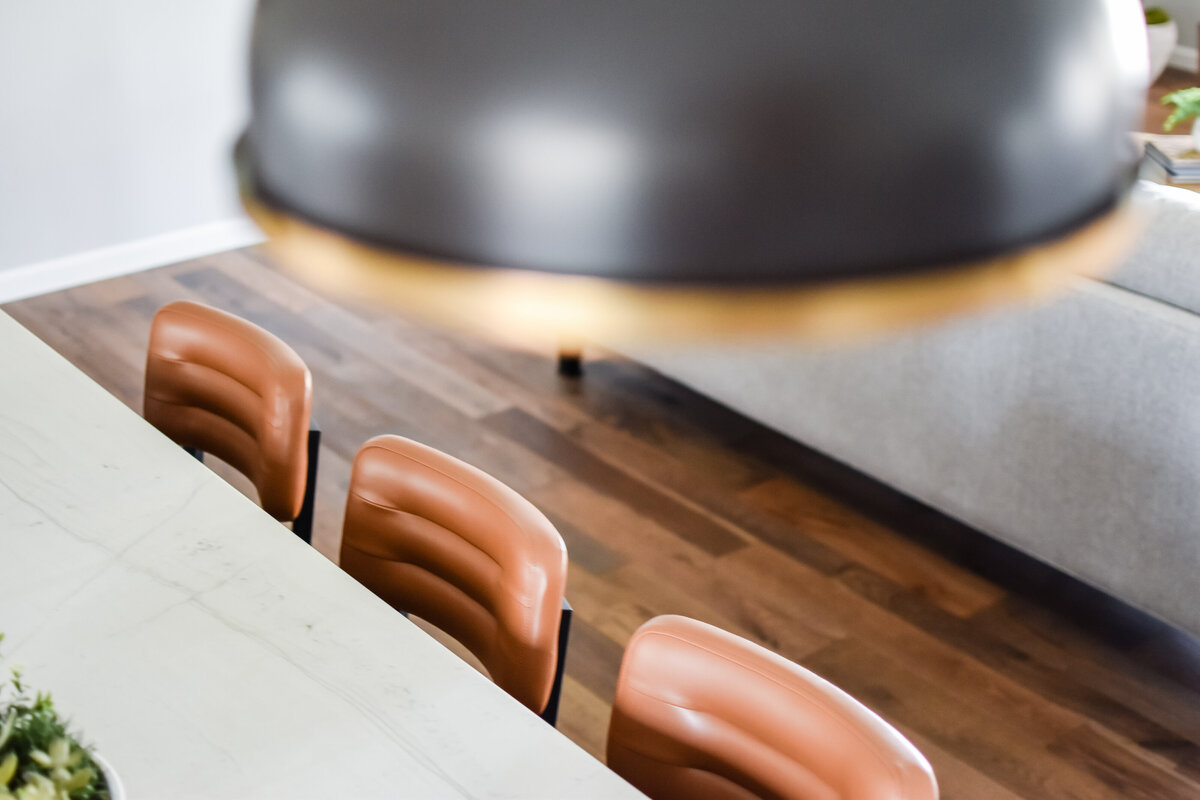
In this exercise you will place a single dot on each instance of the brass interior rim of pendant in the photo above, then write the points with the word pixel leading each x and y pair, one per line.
pixel 535 309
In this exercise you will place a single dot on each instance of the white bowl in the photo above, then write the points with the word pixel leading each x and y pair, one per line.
pixel 115 790
pixel 1162 38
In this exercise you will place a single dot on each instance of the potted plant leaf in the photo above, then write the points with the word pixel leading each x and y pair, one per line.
pixel 40 759
pixel 1187 106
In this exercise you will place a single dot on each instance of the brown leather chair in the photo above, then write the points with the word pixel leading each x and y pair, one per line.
pixel 436 537
pixel 700 712
pixel 216 383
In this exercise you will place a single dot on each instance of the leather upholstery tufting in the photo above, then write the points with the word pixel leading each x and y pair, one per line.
pixel 220 384
pixel 700 712
pixel 437 537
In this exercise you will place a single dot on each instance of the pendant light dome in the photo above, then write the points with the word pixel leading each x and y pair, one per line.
pixel 681 168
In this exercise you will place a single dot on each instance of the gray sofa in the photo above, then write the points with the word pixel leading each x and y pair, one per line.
pixel 1070 430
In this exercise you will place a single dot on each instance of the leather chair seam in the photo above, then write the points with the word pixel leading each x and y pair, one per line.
pixel 483 606
pixel 222 373
pixel 434 468
pixel 252 434
pixel 807 696
pixel 398 510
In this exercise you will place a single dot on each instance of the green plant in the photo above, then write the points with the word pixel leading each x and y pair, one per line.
pixel 39 758
pixel 1156 15
pixel 1187 106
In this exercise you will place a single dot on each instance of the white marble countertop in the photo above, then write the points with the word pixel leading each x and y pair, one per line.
pixel 205 650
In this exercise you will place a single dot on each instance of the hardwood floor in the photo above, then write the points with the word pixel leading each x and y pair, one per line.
pixel 671 503
pixel 1014 682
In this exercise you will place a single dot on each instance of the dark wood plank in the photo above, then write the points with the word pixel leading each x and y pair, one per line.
pixel 1062 687
pixel 593 660
pixel 995 747
pixel 670 470
pixel 671 512
pixel 587 551
pixel 583 717
pixel 1091 749
pixel 861 540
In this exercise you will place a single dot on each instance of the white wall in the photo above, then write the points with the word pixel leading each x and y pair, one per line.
pixel 116 123
pixel 1187 17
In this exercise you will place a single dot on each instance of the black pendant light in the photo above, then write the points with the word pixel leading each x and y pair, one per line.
pixel 622 168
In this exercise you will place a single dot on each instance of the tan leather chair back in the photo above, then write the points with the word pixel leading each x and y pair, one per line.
pixel 437 537
pixel 217 383
pixel 700 712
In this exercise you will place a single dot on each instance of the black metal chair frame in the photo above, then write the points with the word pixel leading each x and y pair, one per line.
pixel 550 714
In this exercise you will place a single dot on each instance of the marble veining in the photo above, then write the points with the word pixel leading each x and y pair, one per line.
pixel 207 651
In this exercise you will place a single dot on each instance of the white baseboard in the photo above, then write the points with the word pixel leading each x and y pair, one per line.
pixel 1184 58
pixel 109 262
